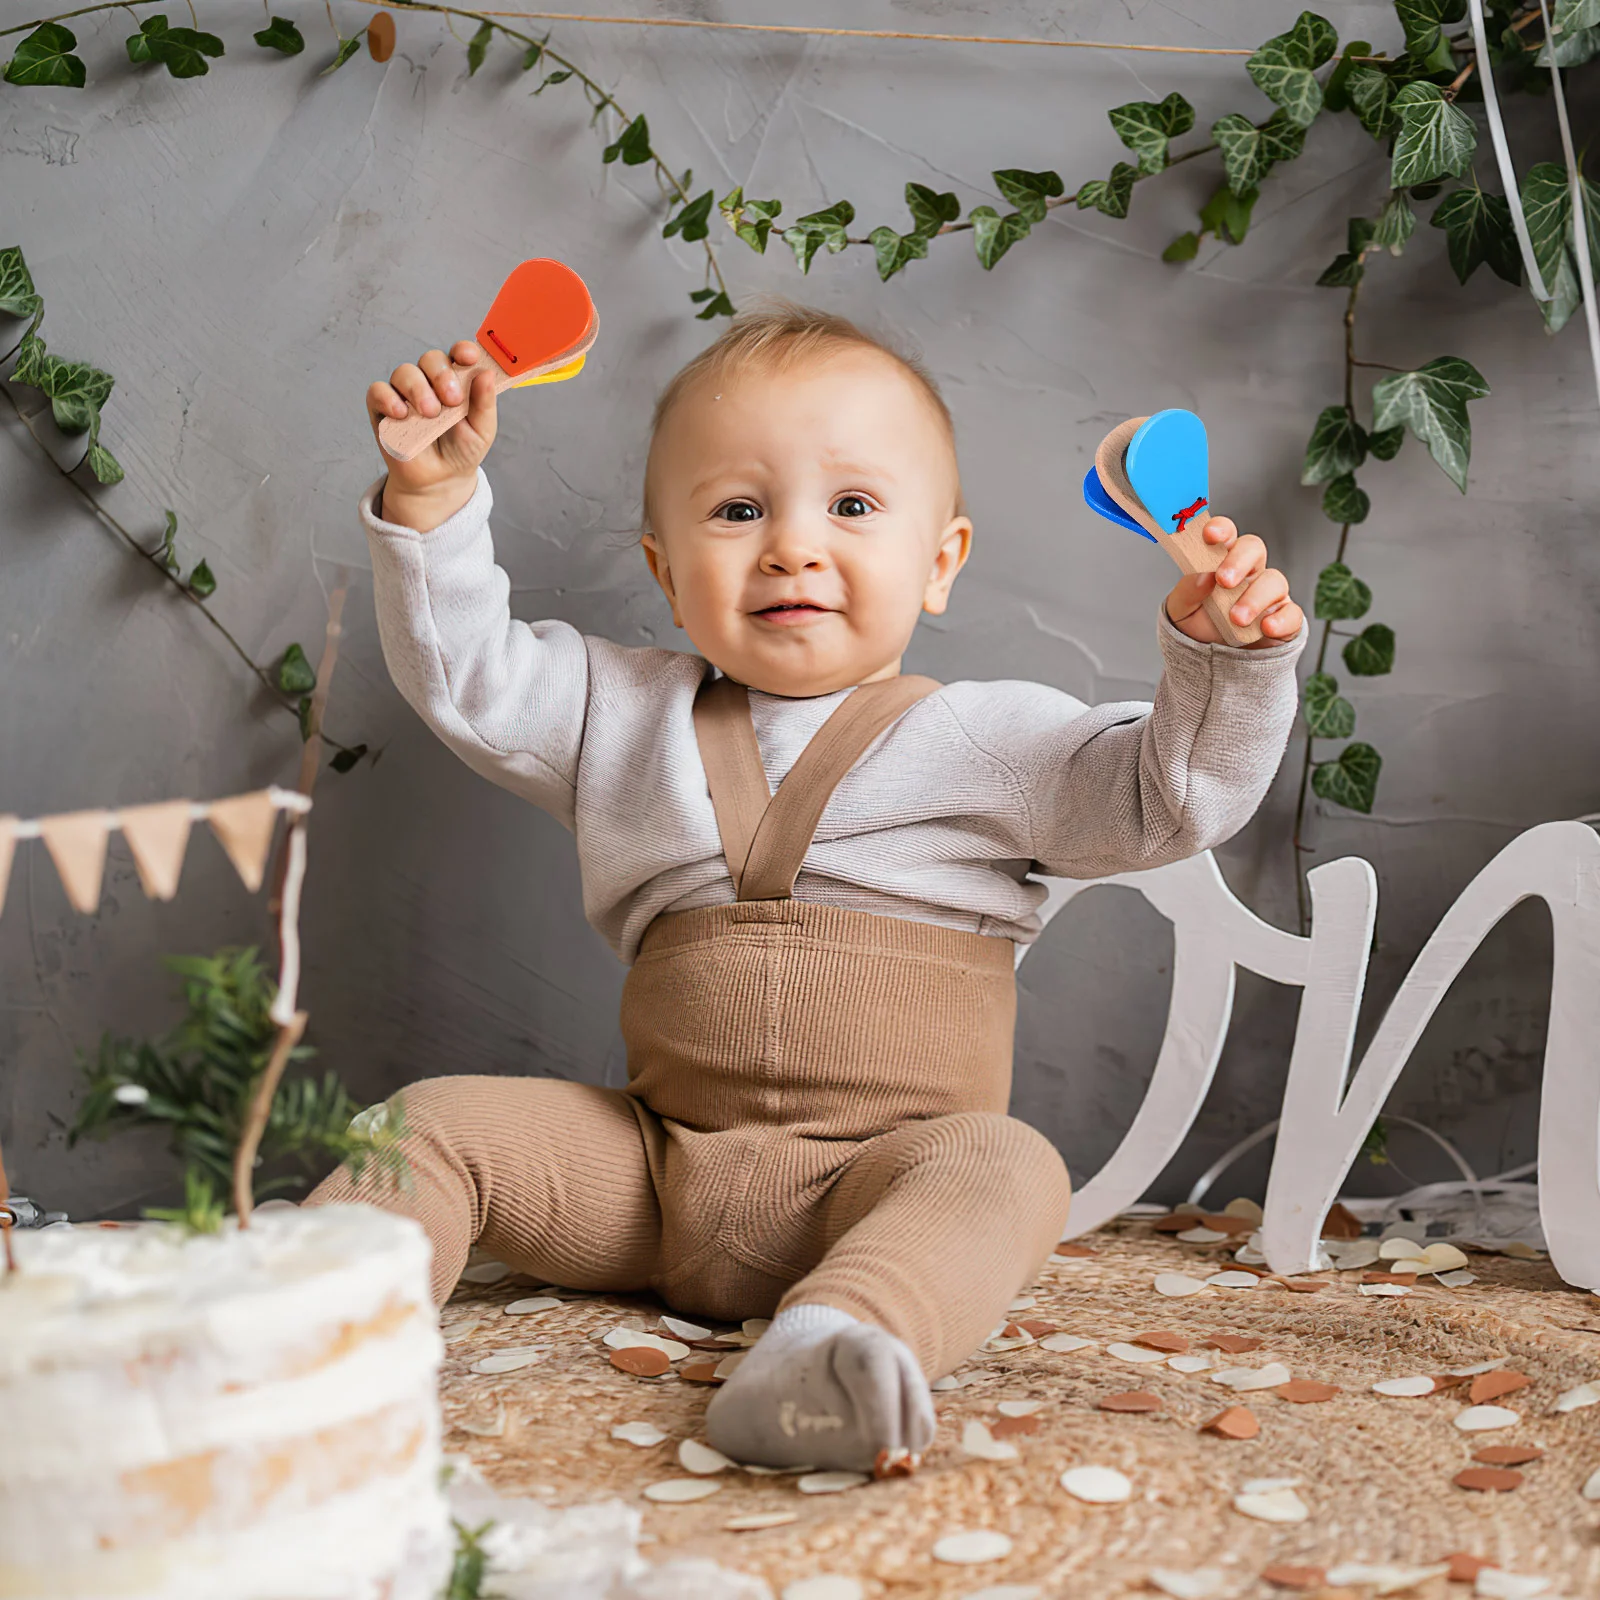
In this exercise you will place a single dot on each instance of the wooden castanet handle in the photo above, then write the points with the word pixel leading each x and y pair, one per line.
pixel 408 436
pixel 1190 550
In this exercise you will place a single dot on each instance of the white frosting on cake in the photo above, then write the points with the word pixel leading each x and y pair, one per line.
pixel 249 1415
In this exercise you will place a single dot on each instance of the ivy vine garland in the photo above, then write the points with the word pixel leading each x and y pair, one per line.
pixel 1410 104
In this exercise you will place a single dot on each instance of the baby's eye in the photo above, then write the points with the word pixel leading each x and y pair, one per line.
pixel 850 505
pixel 738 511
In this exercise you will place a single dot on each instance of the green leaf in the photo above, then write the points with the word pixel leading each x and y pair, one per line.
pixel 700 296
pixel 1335 92
pixel 1249 153
pixel 993 235
pixel 1110 195
pixel 894 250
pixel 1337 445
pixel 1327 714
pixel 1421 20
pixel 18 297
pixel 1434 137
pixel 1343 272
pixel 1147 128
pixel 929 211
pixel 103 464
pixel 202 585
pixel 1028 191
pixel 692 222
pixel 751 220
pixel 1227 214
pixel 1341 596
pixel 632 144
pixel 808 234
pixel 530 57
pixel 347 48
pixel 1345 501
pixel 478 48
pixel 1478 229
pixel 345 760
pixel 1547 204
pixel 1184 248
pixel 295 673
pixel 303 714
pixel 1432 402
pixel 166 552
pixel 1570 15
pixel 1396 223
pixel 77 391
pixel 281 34
pixel 182 51
pixel 1371 653
pixel 1281 138
pixel 1384 443
pixel 45 59
pixel 1571 49
pixel 31 360
pixel 138 44
pixel 1282 69
pixel 553 77
pixel 719 305
pixel 1371 94
pixel 1350 781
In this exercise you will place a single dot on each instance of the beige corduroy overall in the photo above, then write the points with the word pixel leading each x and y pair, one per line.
pixel 816 1104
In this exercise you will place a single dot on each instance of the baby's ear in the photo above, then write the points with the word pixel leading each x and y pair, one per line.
pixel 955 545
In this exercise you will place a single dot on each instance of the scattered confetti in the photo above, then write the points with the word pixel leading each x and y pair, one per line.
pixel 1133 1400
pixel 1244 1207
pixel 825 1586
pixel 760 1519
pixel 674 1491
pixel 1099 1486
pixel 1287 1577
pixel 1019 1408
pixel 1399 1249
pixel 1385 1579
pixel 1521 1250
pixel 976 1440
pixel 1234 1344
pixel 1407 1278
pixel 1272 1505
pixel 462 1330
pixel 1301 1285
pixel 1176 1222
pixel 1586 1394
pixel 1390 1289
pixel 1202 1235
pixel 776 1472
pixel 1464 1568
pixel 1245 1378
pixel 643 1434
pixel 728 1365
pixel 1406 1388
pixel 1493 1584
pixel 1481 1419
pixel 493 1429
pixel 1237 1422
pixel 633 1339
pixel 643 1361
pixel 688 1331
pixel 1443 1258
pixel 1201 1584
pixel 1481 1366
pixel 972 1549
pixel 1507 1455
pixel 831 1482
pixel 1306 1391
pixel 701 1459
pixel 1353 1256
pixel 1036 1328
pixel 1065 1343
pixel 1023 1302
pixel 1591 1488
pixel 1176 1285
pixel 754 1327
pixel 512 1360
pixel 1072 1251
pixel 1194 1363
pixel 1006 1426
pixel 1494 1480
pixel 896 1463
pixel 1457 1280
pixel 1491 1385
pixel 1233 1280
pixel 700 1372
pixel 524 1308
pixel 485 1272
pixel 1135 1352
pixel 1164 1340
pixel 943 1384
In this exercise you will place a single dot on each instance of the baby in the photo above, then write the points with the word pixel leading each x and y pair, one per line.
pixel 816 867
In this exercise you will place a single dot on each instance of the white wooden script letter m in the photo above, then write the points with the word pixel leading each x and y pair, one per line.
pixel 1324 1121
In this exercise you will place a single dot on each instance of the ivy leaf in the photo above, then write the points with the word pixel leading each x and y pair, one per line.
pixel 102 463
pixel 1328 715
pixel 1028 191
pixel 1337 445
pixel 1421 20
pixel 182 51
pixel 1147 128
pixel 751 220
pixel 553 77
pixel 632 144
pixel 1572 14
pixel 1249 153
pixel 1384 443
pixel 808 234
pixel 1345 271
pixel 1570 49
pixel 139 43
pixel 1352 780
pixel 18 297
pixel 1371 653
pixel 894 250
pixel 165 552
pixel 530 57
pixel 281 34
pixel 77 391
pixel 202 585
pixel 993 234
pixel 1227 214
pixel 295 673
pixel 344 760
pixel 1547 203
pixel 1335 92
pixel 1372 95
pixel 45 58
pixel 929 211
pixel 719 305
pixel 31 361
pixel 692 222
pixel 1341 596
pixel 1281 138
pixel 1110 195
pixel 1434 137
pixel 347 48
pixel 1345 501
pixel 1282 69
pixel 1478 229
pixel 1184 248
pixel 478 48
pixel 1396 223
pixel 1432 402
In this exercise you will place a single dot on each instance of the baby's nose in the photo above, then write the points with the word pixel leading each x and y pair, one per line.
pixel 792 549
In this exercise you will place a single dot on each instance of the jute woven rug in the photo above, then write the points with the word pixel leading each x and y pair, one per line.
pixel 1375 1472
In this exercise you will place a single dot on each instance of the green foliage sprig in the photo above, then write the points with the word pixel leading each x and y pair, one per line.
pixel 197 1082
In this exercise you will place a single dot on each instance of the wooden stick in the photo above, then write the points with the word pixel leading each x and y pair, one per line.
pixel 244 1158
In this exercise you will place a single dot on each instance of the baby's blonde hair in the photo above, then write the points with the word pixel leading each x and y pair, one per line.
pixel 777 334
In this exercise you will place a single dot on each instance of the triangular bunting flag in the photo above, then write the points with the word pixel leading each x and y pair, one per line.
pixel 8 843
pixel 244 825
pixel 158 836
pixel 77 845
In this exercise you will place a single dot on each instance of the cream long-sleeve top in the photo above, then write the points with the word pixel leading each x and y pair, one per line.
pixel 942 820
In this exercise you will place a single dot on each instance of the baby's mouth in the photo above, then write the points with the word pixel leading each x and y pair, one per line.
pixel 785 609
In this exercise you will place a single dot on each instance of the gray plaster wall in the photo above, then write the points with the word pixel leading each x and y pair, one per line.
pixel 247 251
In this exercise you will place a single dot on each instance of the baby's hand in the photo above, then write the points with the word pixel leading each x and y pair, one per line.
pixel 1267 596
pixel 440 479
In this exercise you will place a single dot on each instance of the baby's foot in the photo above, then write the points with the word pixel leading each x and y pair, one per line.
pixel 822 1389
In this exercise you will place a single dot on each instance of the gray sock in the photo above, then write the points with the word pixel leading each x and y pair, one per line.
pixel 821 1388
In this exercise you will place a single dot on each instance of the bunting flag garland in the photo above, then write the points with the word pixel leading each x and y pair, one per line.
pixel 77 845
pixel 157 837
pixel 244 826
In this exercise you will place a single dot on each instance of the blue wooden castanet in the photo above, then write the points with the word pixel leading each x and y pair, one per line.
pixel 1169 467
pixel 1094 493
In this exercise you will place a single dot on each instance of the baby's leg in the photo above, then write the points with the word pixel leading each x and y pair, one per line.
pixel 932 1230
pixel 550 1176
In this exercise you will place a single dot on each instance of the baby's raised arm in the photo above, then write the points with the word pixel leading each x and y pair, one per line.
pixel 508 697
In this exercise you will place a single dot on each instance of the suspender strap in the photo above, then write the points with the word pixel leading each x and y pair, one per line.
pixel 765 838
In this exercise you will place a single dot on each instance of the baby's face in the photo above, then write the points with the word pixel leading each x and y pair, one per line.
pixel 802 519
